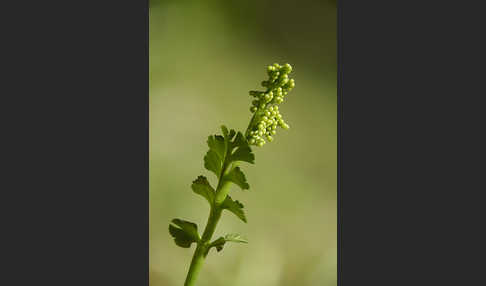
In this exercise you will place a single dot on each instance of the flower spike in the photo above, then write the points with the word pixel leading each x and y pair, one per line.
pixel 266 117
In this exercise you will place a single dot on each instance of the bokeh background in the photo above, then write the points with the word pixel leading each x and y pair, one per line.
pixel 204 58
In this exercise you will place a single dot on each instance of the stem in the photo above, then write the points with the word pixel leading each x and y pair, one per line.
pixel 214 216
pixel 196 265
pixel 222 189
pixel 250 124
pixel 202 246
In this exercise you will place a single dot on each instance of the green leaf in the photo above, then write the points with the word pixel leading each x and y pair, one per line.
pixel 236 176
pixel 239 141
pixel 244 152
pixel 218 243
pixel 217 144
pixel 233 237
pixel 185 234
pixel 227 135
pixel 188 227
pixel 202 187
pixel 231 134
pixel 212 162
pixel 180 237
pixel 235 207
pixel 224 130
pixel 220 146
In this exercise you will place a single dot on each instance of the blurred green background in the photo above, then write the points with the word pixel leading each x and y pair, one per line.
pixel 204 58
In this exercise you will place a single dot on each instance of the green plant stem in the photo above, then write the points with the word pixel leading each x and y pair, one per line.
pixel 202 246
pixel 214 216
pixel 250 125
pixel 196 265
pixel 222 189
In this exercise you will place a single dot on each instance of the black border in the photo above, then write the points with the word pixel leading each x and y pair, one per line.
pixel 75 180
pixel 411 144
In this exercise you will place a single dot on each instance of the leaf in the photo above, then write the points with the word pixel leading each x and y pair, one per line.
pixel 235 237
pixel 227 135
pixel 220 242
pixel 180 237
pixel 212 162
pixel 224 130
pixel 235 207
pixel 231 134
pixel 236 176
pixel 185 234
pixel 217 144
pixel 220 146
pixel 239 141
pixel 188 227
pixel 202 187
pixel 244 152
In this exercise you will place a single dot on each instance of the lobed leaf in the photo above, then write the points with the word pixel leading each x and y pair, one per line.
pixel 202 187
pixel 243 151
pixel 239 141
pixel 224 129
pixel 235 237
pixel 220 242
pixel 220 146
pixel 217 144
pixel 185 234
pixel 212 162
pixel 228 135
pixel 180 237
pixel 243 154
pixel 238 177
pixel 231 134
pixel 235 207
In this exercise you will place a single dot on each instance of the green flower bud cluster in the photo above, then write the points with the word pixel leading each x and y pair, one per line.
pixel 266 116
